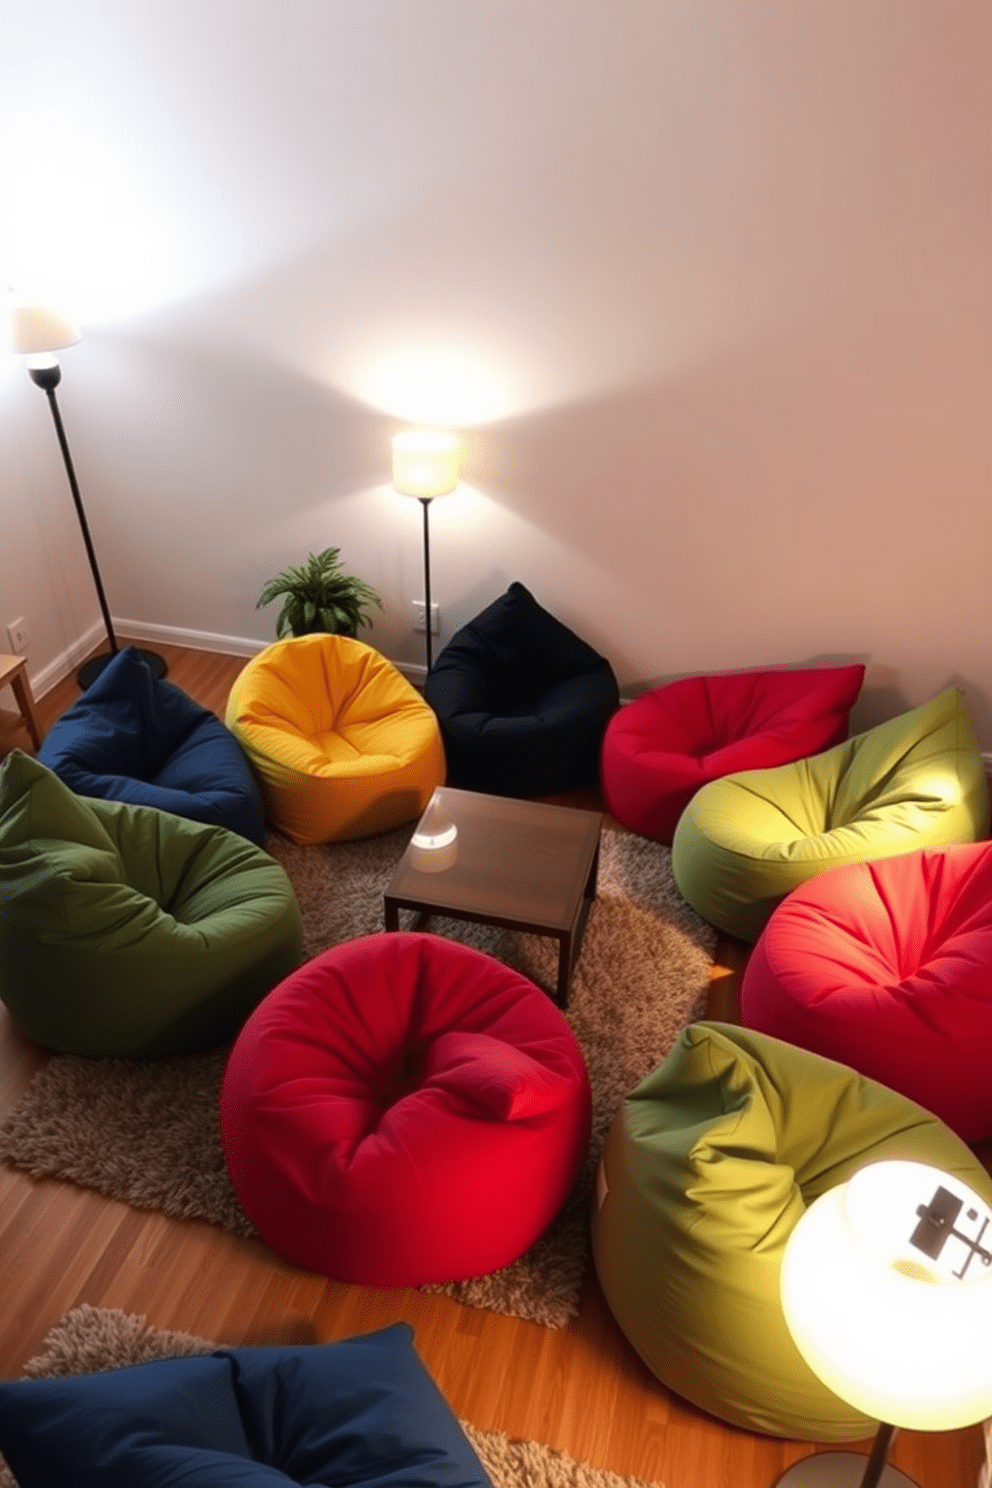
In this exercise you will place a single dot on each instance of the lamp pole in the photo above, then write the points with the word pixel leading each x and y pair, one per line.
pixel 425 502
pixel 878 1455
pixel 425 465
pixel 48 378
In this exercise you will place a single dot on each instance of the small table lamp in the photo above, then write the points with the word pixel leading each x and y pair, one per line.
pixel 425 465
pixel 434 844
pixel 886 1287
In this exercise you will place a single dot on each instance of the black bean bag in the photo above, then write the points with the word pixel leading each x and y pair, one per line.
pixel 522 701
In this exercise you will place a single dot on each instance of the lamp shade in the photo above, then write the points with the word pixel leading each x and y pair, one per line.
pixel 425 462
pixel 887 1291
pixel 38 328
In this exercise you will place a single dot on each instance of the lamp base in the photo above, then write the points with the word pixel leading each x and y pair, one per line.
pixel 838 1470
pixel 96 665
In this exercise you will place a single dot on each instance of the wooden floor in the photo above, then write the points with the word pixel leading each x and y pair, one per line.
pixel 580 1389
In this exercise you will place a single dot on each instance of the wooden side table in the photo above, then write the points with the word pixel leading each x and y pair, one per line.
pixel 14 674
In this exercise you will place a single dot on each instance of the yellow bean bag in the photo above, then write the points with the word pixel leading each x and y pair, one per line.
pixel 342 744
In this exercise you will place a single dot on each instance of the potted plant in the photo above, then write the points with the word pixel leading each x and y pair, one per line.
pixel 319 596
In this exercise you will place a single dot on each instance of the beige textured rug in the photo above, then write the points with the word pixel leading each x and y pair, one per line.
pixel 146 1132
pixel 90 1339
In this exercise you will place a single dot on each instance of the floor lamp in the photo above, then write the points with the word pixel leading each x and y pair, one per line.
pixel 886 1288
pixel 425 465
pixel 36 333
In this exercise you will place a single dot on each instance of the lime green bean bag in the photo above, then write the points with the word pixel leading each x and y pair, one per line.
pixel 127 931
pixel 707 1168
pixel 747 840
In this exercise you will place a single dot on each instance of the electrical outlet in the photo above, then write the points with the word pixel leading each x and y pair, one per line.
pixel 17 635
pixel 417 617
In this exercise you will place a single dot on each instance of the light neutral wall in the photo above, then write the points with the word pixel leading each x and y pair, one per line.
pixel 706 284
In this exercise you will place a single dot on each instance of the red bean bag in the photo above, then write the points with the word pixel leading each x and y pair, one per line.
pixel 887 966
pixel 659 749
pixel 404 1109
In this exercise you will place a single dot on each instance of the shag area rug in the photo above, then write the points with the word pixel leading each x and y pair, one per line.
pixel 146 1132
pixel 90 1339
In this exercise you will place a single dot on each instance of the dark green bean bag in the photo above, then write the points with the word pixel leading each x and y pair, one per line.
pixel 708 1167
pixel 747 840
pixel 127 931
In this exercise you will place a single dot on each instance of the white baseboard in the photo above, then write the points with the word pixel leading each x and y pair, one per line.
pixel 205 640
pixel 198 640
pixel 44 680
pixel 171 635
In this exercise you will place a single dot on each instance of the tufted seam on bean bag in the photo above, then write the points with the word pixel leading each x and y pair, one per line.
pixel 494 1077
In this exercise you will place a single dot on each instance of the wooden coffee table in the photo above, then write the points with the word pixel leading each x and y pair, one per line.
pixel 518 864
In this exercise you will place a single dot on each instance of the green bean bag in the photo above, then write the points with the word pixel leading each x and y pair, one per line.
pixel 127 931
pixel 747 840
pixel 707 1168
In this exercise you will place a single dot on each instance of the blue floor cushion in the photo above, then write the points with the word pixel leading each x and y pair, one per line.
pixel 363 1412
pixel 133 737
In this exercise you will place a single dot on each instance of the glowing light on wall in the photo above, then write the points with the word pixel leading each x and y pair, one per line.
pixel 77 225
pixel 430 383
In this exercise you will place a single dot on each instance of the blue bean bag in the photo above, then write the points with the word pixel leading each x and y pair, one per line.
pixel 363 1412
pixel 523 702
pixel 135 738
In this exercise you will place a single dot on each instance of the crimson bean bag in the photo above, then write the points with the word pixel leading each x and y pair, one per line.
pixel 660 748
pixel 404 1109
pixel 887 966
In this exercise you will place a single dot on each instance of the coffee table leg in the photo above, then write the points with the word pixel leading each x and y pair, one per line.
pixel 590 889
pixel 391 916
pixel 571 943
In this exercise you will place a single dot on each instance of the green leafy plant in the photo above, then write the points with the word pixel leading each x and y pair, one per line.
pixel 319 596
